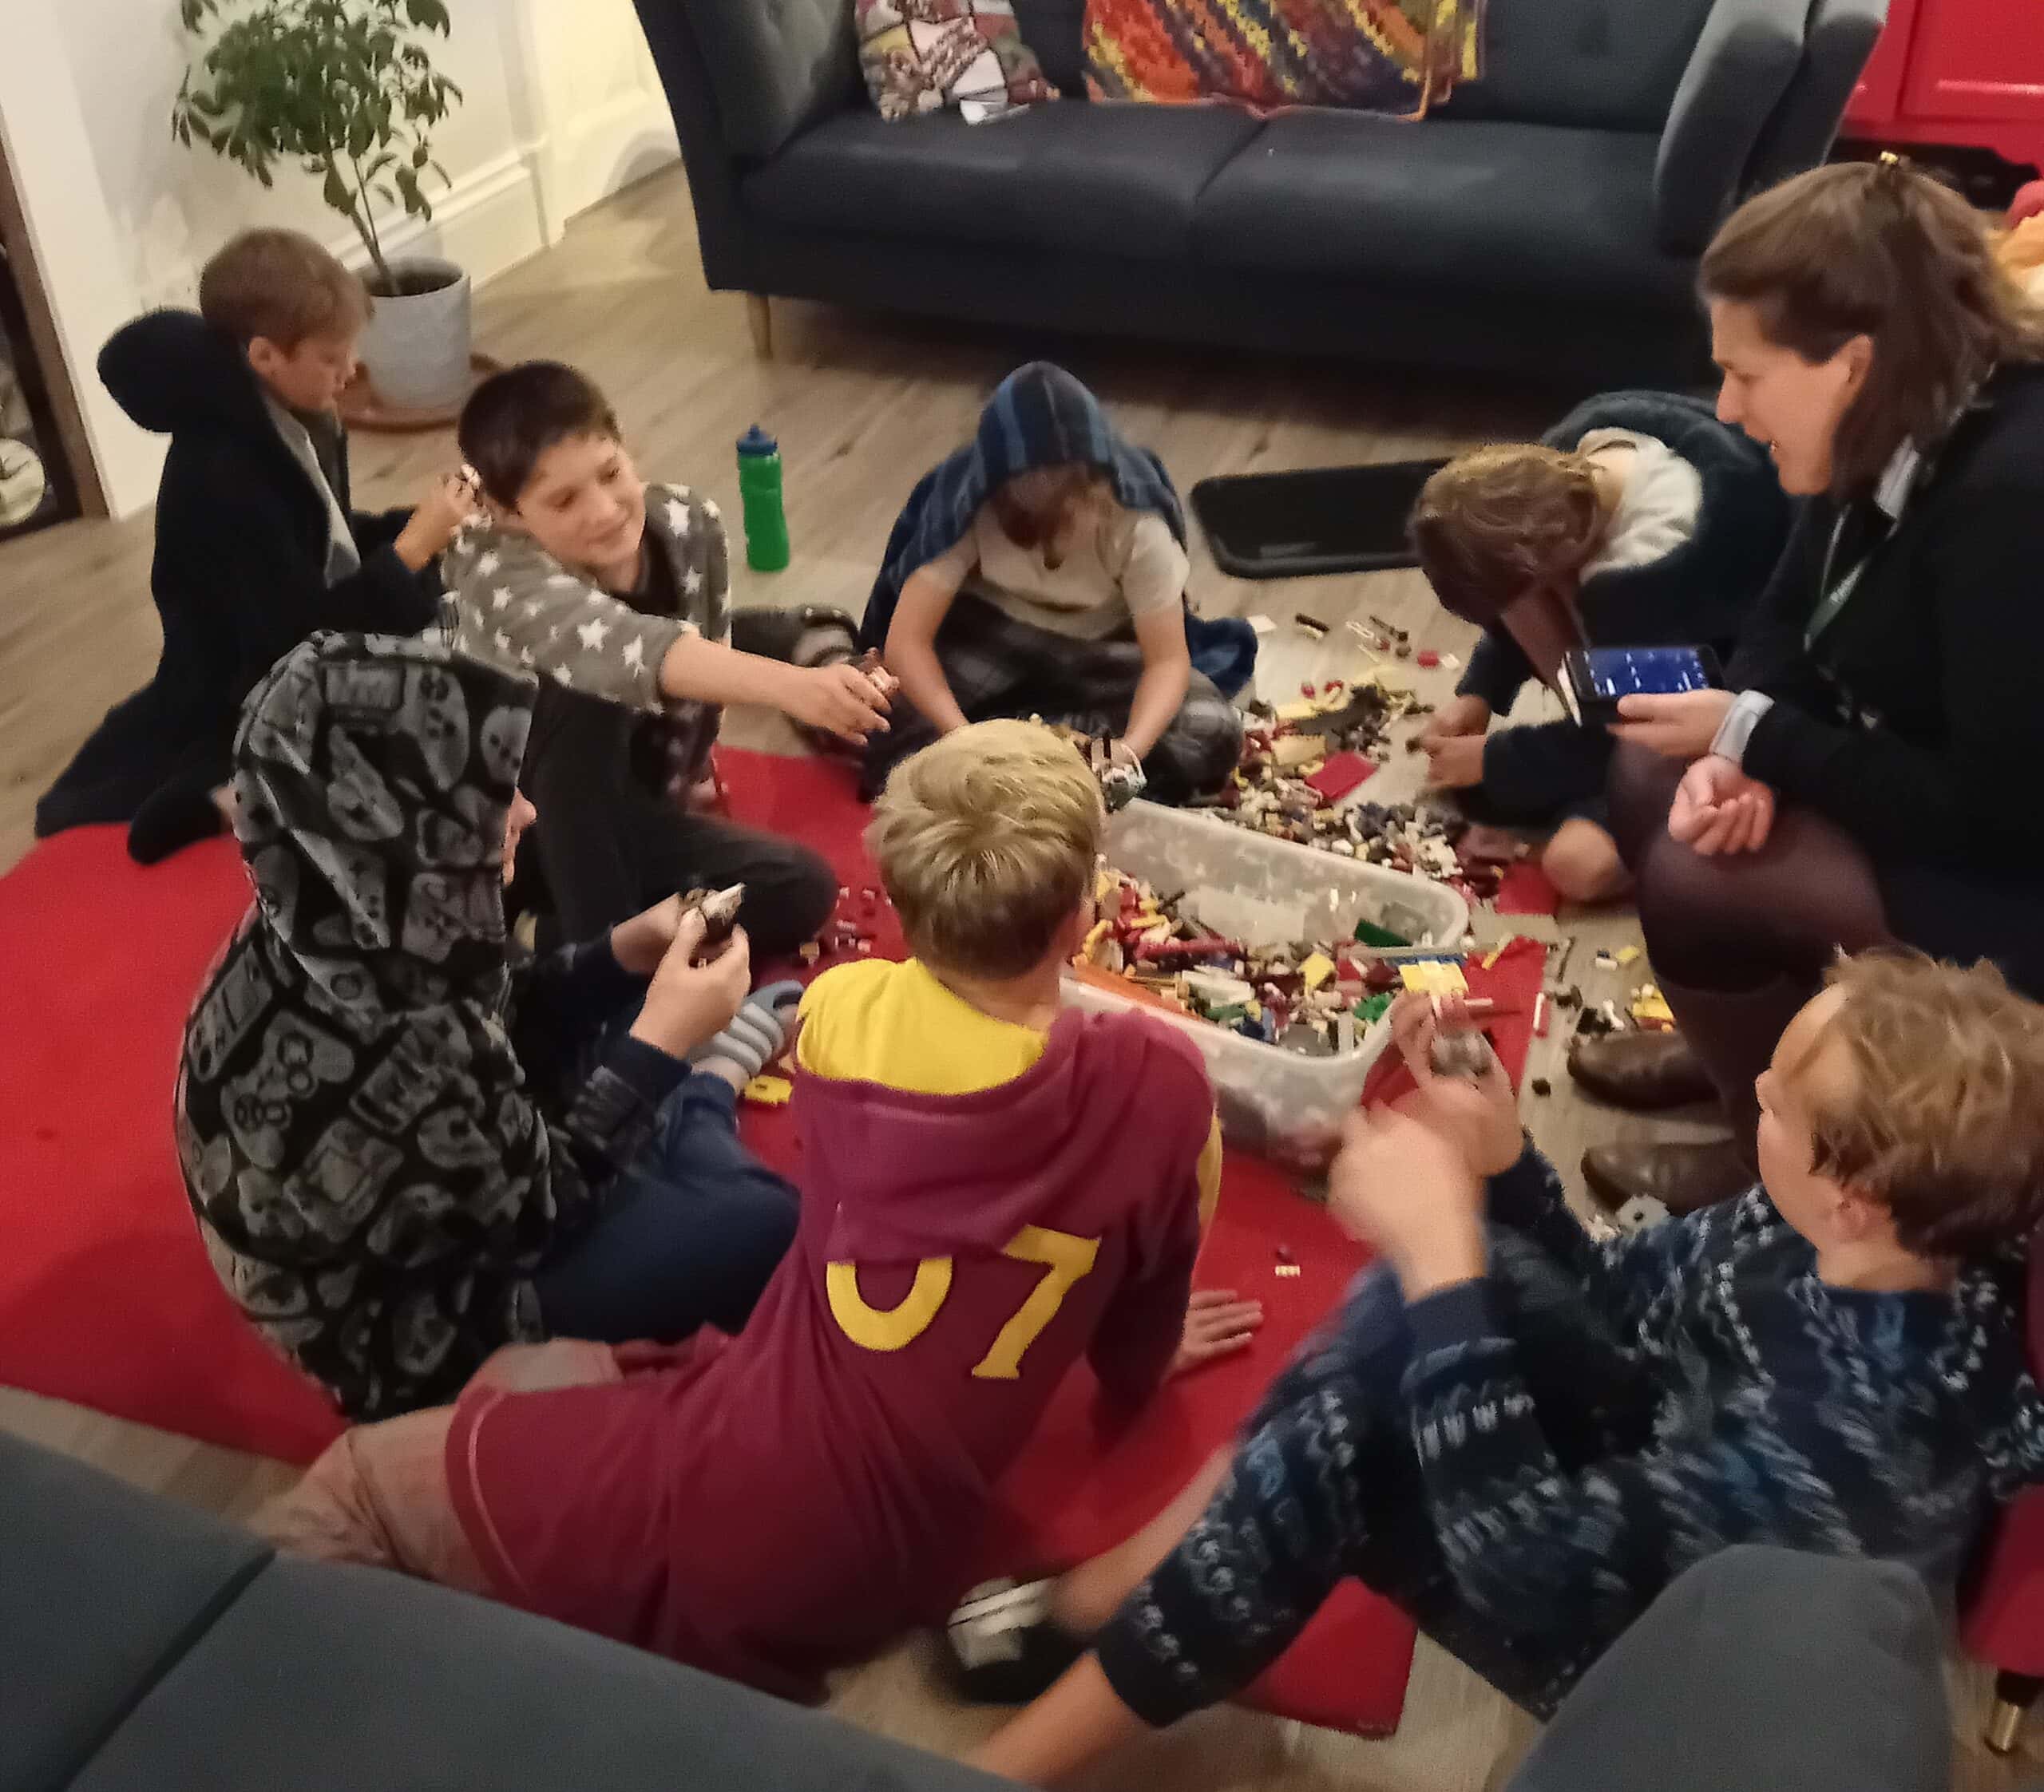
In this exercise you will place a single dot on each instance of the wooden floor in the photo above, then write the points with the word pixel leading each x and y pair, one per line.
pixel 861 406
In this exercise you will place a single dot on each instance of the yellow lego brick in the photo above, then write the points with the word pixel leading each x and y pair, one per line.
pixel 1650 1007
pixel 1628 955
pixel 769 1092
pixel 1434 976
pixel 1316 970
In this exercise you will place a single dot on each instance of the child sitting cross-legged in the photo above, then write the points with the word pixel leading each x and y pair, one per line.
pixel 1521 1436
pixel 994 1189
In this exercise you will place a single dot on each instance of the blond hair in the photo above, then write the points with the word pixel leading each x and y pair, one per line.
pixel 987 843
pixel 1878 249
pixel 280 285
pixel 1500 521
pixel 1943 1120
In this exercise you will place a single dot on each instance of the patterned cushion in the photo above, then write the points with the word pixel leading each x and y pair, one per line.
pixel 1394 56
pixel 919 55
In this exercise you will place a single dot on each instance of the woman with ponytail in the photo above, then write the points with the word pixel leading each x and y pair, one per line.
pixel 1862 783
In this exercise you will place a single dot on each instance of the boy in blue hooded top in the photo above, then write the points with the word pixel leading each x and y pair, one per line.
pixel 1041 570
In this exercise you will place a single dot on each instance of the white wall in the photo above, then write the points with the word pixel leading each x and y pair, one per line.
pixel 560 107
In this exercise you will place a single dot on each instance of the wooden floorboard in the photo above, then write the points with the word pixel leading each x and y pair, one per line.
pixel 861 406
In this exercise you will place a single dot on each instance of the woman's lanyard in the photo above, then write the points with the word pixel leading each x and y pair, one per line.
pixel 1836 596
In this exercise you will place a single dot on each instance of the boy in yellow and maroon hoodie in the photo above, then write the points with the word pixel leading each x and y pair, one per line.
pixel 993 1188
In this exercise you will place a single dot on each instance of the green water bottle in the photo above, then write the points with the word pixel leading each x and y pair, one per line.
pixel 759 488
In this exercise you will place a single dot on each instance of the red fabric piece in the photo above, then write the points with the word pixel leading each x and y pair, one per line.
pixel 1341 774
pixel 775 1504
pixel 106 1297
pixel 1525 891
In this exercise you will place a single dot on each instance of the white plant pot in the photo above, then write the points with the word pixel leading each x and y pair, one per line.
pixel 416 345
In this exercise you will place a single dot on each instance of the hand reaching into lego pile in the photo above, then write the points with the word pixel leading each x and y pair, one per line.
pixel 839 699
pixel 1456 719
pixel 1678 725
pixel 1455 762
pixel 1217 1322
pixel 1718 809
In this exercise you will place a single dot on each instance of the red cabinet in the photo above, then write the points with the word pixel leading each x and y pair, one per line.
pixel 1957 72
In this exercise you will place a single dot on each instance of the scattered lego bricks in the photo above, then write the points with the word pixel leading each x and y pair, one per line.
pixel 1313 997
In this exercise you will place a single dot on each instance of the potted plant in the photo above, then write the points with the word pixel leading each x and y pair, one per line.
pixel 346 89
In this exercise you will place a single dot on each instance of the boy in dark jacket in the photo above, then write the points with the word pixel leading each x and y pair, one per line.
pixel 256 545
pixel 1638 520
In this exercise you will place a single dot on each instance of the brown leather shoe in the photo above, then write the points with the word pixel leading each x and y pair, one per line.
pixel 1681 1177
pixel 1642 1072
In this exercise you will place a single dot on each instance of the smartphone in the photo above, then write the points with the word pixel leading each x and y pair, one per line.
pixel 1593 678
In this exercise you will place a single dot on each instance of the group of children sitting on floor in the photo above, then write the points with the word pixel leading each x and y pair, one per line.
pixel 611 1368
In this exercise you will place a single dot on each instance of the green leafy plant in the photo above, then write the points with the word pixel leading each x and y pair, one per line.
pixel 344 88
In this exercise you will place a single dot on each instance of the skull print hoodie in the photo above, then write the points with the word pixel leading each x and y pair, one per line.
pixel 380 1122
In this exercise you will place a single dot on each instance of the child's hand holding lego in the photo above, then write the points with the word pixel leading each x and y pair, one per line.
pixel 840 699
pixel 1481 1112
pixel 1456 762
pixel 1407 1187
pixel 687 1003
pixel 1455 720
pixel 450 502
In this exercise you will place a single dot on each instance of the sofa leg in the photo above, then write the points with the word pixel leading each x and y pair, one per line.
pixel 759 314
pixel 2013 1695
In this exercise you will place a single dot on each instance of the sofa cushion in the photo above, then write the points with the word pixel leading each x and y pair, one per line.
pixel 1614 64
pixel 331 1679
pixel 1055 30
pixel 101 1589
pixel 1123 180
pixel 1468 207
pixel 776 65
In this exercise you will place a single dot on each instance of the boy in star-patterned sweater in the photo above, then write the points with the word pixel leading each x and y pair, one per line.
pixel 1521 1435
pixel 616 594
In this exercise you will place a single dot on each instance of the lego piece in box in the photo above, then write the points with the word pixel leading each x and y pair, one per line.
pixel 1434 976
pixel 1291 752
pixel 1317 969
pixel 1368 933
pixel 1341 774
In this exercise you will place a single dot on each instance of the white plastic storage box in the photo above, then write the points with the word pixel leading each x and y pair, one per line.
pixel 1270 892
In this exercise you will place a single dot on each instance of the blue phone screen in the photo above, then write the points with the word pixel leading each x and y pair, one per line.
pixel 1616 672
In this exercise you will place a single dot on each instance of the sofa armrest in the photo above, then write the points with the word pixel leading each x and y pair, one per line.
pixel 1840 38
pixel 1745 59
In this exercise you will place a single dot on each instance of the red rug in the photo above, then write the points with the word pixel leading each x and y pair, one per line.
pixel 107 1299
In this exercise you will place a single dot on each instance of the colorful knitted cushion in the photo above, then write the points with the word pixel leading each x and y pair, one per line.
pixel 1394 56
pixel 920 54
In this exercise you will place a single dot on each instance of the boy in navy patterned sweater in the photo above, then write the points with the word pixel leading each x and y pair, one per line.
pixel 1521 1435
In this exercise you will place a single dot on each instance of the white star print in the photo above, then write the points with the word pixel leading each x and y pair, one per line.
pixel 487 564
pixel 503 642
pixel 592 632
pixel 563 676
pixel 562 579
pixel 532 607
pixel 501 597
pixel 635 653
pixel 710 510
pixel 692 580
pixel 679 521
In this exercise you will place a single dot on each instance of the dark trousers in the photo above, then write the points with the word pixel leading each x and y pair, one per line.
pixel 688 1236
pixel 607 845
pixel 998 667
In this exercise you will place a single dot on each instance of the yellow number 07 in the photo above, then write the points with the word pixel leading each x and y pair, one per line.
pixel 893 1328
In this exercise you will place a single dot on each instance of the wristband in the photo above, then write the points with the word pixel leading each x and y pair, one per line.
pixel 1737 729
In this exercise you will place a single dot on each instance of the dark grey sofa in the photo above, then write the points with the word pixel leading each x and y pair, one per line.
pixel 1548 219
pixel 146 1648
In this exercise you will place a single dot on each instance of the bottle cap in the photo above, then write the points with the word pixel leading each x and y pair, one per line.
pixel 755 441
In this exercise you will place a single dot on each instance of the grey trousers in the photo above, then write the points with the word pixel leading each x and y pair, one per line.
pixel 1761 1669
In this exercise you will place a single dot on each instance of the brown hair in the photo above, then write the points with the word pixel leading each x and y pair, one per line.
pixel 1497 522
pixel 1943 1123
pixel 987 843
pixel 515 417
pixel 1876 249
pixel 1047 506
pixel 281 284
